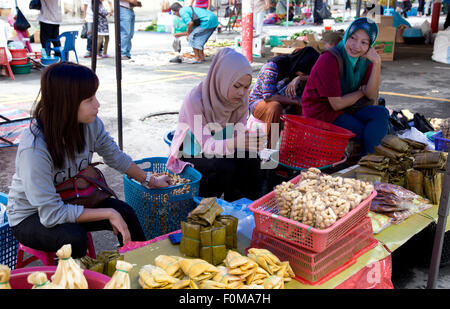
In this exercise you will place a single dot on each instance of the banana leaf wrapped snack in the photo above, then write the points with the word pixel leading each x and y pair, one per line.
pixel 376 162
pixel 197 269
pixel 231 224
pixel 190 241
pixel 68 274
pixel 415 145
pixel 170 264
pixel 430 160
pixel 206 212
pixel 388 152
pixel 92 264
pixel 154 277
pixel 212 243
pixel 414 181
pixel 5 273
pixel 396 143
pixel 121 278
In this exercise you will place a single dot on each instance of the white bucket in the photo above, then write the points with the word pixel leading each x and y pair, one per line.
pixel 328 23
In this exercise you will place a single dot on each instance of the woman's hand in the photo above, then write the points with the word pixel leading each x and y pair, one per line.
pixel 160 182
pixel 283 100
pixel 291 89
pixel 119 226
pixel 373 56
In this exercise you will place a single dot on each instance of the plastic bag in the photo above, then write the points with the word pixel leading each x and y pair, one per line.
pixel 3 217
pixel 441 48
pixel 324 12
pixel 416 135
pixel 21 22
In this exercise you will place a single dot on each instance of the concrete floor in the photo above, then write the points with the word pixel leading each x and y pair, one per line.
pixel 150 84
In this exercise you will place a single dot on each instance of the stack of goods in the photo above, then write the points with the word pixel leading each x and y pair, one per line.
pixel 260 269
pixel 207 234
pixel 320 200
pixel 105 262
pixel 407 163
pixel 427 176
pixel 397 202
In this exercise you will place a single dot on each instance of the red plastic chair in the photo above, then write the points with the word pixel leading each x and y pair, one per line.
pixel 47 258
pixel 4 62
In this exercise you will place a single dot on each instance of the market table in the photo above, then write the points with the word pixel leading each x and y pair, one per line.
pixel 372 269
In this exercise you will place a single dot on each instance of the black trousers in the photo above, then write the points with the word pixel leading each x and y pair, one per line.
pixel 31 233
pixel 234 177
pixel 49 31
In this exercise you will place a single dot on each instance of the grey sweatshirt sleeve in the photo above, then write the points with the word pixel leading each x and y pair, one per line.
pixel 107 148
pixel 35 171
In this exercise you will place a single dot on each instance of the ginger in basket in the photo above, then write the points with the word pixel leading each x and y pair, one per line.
pixel 68 274
pixel 5 273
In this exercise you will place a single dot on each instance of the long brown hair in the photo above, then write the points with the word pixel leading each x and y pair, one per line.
pixel 63 87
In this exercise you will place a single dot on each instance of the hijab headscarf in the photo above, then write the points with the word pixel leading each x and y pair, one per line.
pixel 209 100
pixel 302 60
pixel 354 68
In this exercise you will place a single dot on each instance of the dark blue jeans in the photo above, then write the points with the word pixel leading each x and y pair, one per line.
pixel 370 124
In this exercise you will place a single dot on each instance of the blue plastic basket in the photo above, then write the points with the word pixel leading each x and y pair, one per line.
pixel 8 243
pixel 441 143
pixel 160 211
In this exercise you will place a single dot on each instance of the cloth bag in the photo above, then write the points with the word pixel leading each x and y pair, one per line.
pixel 21 22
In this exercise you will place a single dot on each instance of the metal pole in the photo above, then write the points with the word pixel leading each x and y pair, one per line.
pixel 118 70
pixel 94 36
pixel 444 206
pixel 358 8
pixel 247 30
pixel 287 15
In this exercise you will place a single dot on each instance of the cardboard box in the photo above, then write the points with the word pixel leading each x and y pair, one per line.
pixel 277 51
pixel 5 12
pixel 386 41
pixel 294 43
pixel 384 21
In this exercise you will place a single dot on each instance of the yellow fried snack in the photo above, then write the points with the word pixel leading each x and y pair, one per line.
pixel 5 273
pixel 38 280
pixel 154 277
pixel 273 282
pixel 185 284
pixel 120 278
pixel 259 277
pixel 170 264
pixel 197 269
pixel 271 263
pixel 68 274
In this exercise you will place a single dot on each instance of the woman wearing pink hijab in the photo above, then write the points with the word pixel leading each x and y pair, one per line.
pixel 211 134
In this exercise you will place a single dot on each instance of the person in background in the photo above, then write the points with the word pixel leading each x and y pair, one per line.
pixel 103 31
pixel 89 19
pixel 406 6
pixel 259 8
pixel 199 35
pixel 204 4
pixel 49 20
pixel 343 96
pixel 59 143
pixel 447 19
pixel 211 134
pixel 278 87
pixel 127 18
pixel 318 5
pixel 421 8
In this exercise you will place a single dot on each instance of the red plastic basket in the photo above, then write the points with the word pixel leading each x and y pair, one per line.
pixel 307 142
pixel 19 56
pixel 317 268
pixel 268 221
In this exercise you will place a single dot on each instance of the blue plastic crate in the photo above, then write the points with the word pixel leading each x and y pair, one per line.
pixel 8 243
pixel 441 143
pixel 160 211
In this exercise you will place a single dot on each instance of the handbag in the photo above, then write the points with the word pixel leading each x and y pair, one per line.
pixel 35 5
pixel 84 31
pixel 324 12
pixel 195 18
pixel 88 188
pixel 21 22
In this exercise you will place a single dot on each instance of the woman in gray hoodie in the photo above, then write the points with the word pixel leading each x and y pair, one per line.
pixel 60 143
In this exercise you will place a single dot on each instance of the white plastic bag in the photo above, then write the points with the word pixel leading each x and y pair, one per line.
pixel 416 135
pixel 441 49
pixel 3 217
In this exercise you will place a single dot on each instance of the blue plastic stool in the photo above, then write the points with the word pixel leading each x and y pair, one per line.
pixel 69 45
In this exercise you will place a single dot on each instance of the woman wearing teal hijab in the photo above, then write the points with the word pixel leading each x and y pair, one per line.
pixel 342 79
